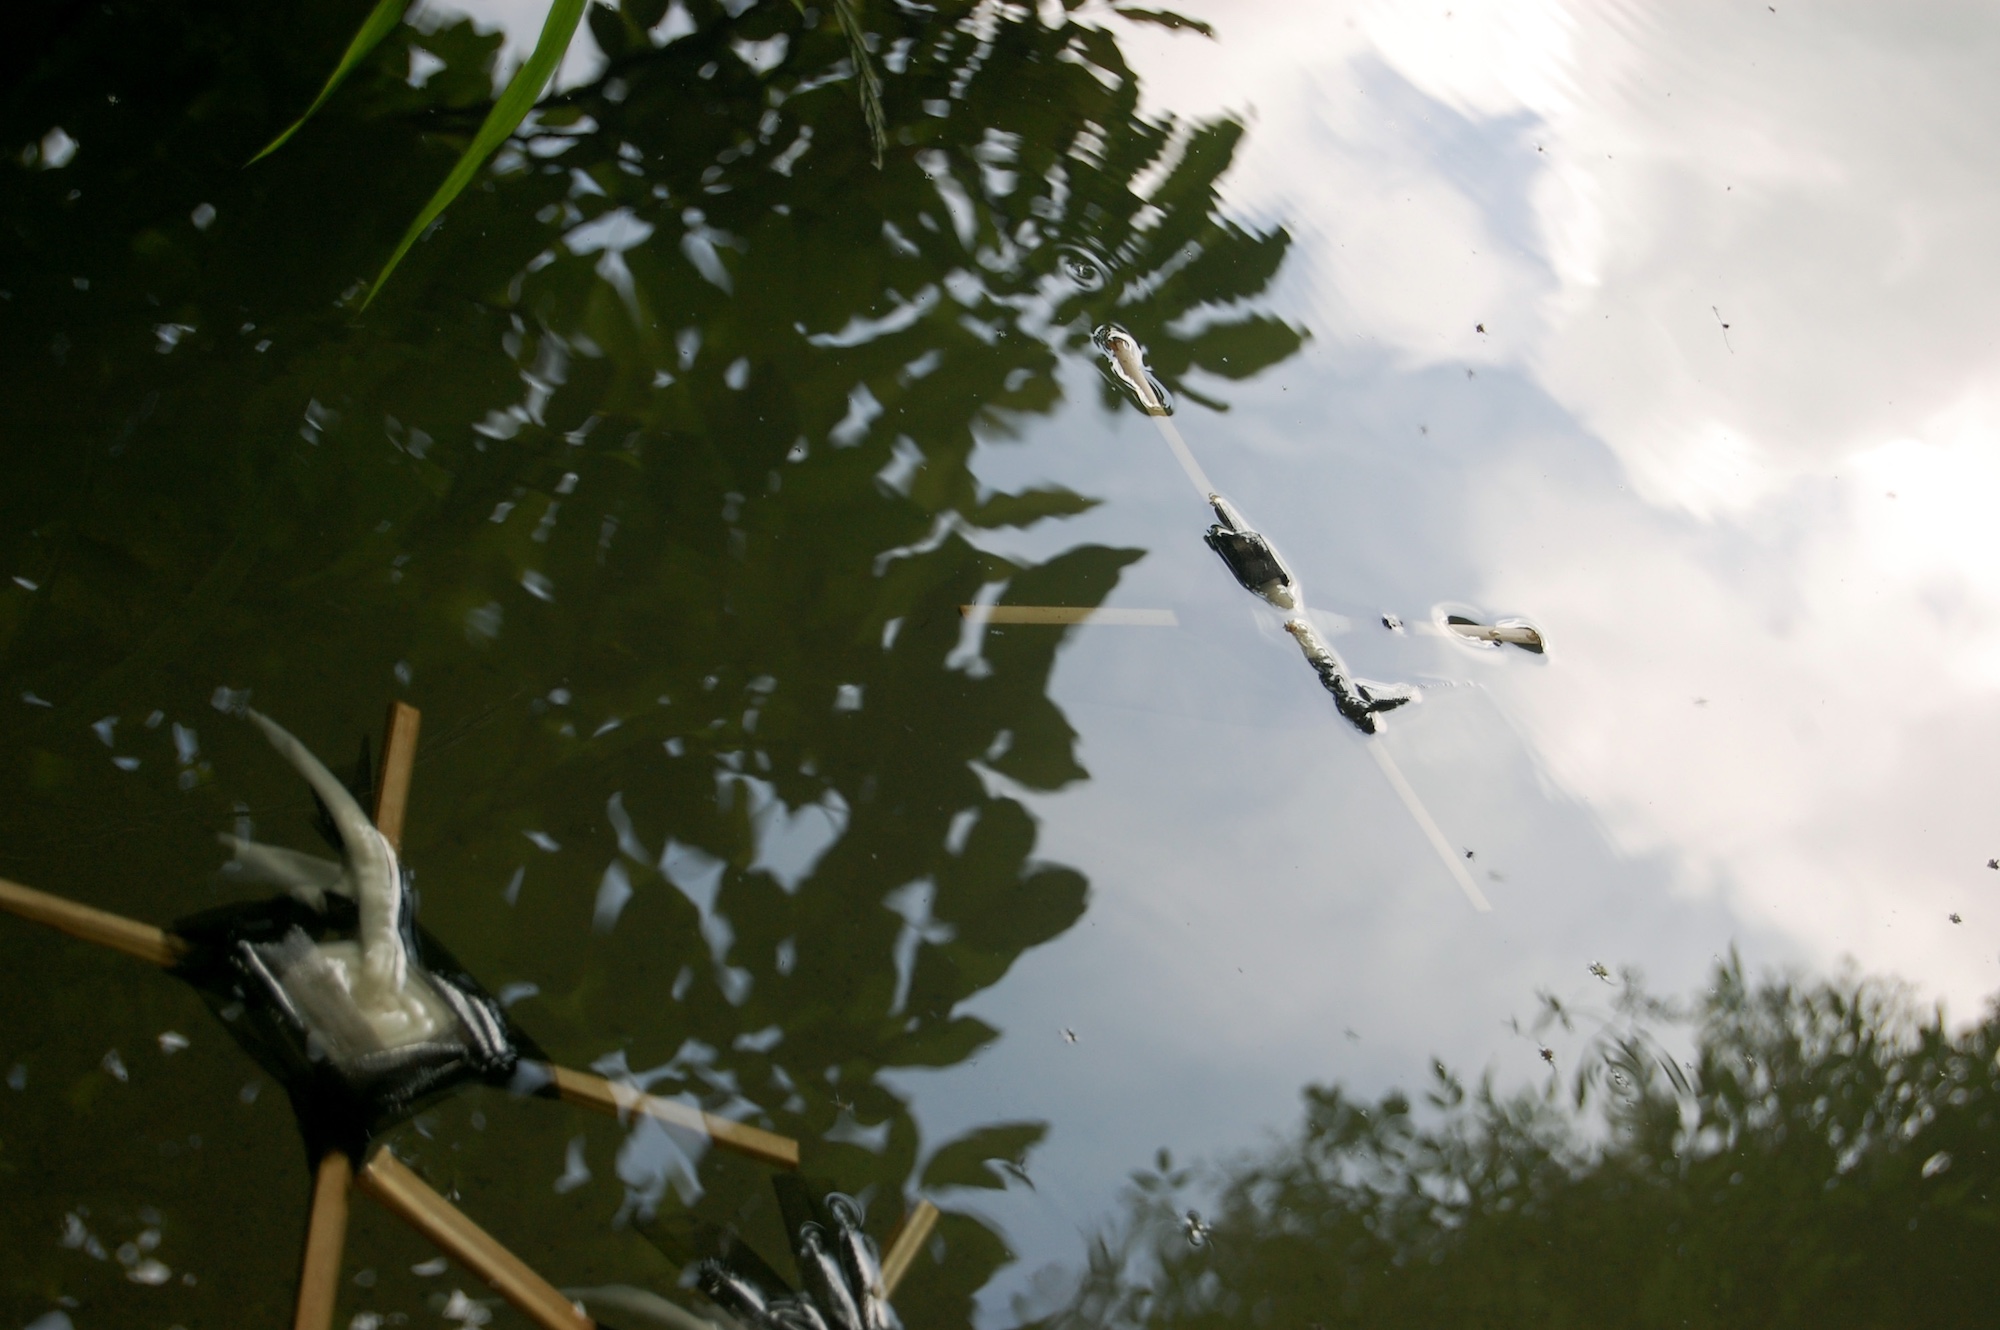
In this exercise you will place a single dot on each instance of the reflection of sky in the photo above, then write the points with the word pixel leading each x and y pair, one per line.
pixel 1761 552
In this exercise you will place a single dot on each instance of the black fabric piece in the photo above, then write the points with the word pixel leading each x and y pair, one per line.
pixel 1249 557
pixel 346 1107
pixel 839 1271
pixel 1362 702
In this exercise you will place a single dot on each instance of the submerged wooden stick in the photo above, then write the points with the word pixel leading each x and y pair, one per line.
pixel 408 1197
pixel 580 1087
pixel 326 1239
pixel 906 1242
pixel 392 783
pixel 92 925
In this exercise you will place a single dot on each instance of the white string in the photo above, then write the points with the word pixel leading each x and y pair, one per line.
pixel 1185 456
pixel 1387 762
pixel 1421 815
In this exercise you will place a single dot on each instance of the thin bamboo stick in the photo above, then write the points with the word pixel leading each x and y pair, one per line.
pixel 580 1087
pixel 408 1197
pixel 906 1242
pixel 392 784
pixel 92 925
pixel 326 1238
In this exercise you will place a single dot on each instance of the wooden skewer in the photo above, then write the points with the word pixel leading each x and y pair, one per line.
pixel 580 1087
pixel 408 1197
pixel 326 1231
pixel 326 1237
pixel 906 1242
pixel 92 925
pixel 392 784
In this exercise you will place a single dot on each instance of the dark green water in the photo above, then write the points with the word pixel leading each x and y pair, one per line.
pixel 656 479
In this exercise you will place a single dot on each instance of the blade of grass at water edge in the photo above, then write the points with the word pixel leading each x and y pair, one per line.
pixel 506 116
pixel 380 22
pixel 864 74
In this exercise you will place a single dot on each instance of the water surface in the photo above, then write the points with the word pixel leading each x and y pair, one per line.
pixel 660 475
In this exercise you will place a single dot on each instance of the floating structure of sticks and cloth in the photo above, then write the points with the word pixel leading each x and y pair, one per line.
pixel 364 1018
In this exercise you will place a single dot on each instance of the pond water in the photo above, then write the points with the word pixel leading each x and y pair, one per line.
pixel 714 493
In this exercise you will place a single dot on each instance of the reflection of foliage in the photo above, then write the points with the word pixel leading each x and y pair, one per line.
pixel 1824 1158
pixel 654 472
pixel 618 27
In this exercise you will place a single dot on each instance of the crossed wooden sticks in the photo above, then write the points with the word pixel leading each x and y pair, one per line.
pixel 389 1181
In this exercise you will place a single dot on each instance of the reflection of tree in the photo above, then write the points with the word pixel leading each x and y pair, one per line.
pixel 1824 1158
pixel 684 600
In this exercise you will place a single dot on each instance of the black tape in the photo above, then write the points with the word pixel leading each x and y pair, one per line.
pixel 346 1096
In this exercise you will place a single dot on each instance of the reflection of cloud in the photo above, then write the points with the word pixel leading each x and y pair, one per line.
pixel 1606 187
pixel 521 23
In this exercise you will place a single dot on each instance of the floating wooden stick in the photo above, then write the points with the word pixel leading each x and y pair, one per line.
pixel 392 784
pixel 326 1231
pixel 906 1242
pixel 1069 614
pixel 326 1238
pixel 580 1087
pixel 408 1197
pixel 91 925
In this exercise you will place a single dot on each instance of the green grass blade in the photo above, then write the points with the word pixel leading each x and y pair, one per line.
pixel 381 22
pixel 864 73
pixel 506 116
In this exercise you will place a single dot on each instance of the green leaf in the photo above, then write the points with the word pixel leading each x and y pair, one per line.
pixel 506 116
pixel 966 1161
pixel 381 21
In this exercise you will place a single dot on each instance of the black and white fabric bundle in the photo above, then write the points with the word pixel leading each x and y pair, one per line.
pixel 1260 570
pixel 838 1269
pixel 333 989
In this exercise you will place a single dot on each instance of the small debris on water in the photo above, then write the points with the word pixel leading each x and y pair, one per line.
pixel 1549 1056
pixel 1937 1164
pixel 114 1066
pixel 1196 1229
pixel 1598 969
pixel 437 1265
pixel 172 1042
pixel 1392 623
pixel 1955 919
pixel 1069 1034
pixel 465 1311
